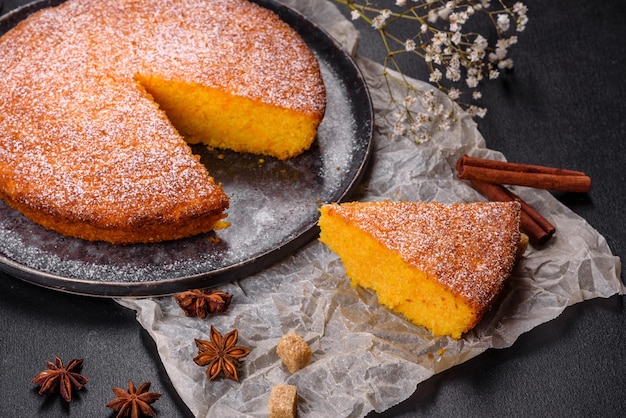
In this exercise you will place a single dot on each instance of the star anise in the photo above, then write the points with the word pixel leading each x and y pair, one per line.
pixel 201 303
pixel 63 379
pixel 134 402
pixel 221 354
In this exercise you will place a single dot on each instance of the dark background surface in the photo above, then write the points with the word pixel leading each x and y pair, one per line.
pixel 563 105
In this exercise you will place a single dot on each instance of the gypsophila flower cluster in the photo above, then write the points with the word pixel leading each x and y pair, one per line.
pixel 447 36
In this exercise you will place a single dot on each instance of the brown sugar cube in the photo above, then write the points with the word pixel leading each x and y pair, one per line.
pixel 283 402
pixel 293 351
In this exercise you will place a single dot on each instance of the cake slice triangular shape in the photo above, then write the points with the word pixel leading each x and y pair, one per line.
pixel 441 265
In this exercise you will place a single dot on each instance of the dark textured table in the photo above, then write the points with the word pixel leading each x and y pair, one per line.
pixel 563 105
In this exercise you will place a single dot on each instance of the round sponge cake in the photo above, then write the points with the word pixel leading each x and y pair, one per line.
pixel 98 100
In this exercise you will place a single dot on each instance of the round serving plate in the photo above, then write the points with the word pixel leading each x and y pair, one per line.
pixel 273 207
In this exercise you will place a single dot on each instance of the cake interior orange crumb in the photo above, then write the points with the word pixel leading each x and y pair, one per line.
pixel 224 121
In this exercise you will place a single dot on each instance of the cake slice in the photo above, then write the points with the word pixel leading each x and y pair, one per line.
pixel 441 265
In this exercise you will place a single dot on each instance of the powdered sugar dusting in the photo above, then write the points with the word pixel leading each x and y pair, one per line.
pixel 227 44
pixel 80 60
pixel 469 248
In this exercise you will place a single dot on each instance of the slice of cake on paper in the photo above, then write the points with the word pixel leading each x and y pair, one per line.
pixel 441 265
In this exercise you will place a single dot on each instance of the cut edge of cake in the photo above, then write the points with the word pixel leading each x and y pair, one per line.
pixel 221 120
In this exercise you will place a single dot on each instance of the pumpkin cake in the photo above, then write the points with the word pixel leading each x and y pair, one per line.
pixel 99 100
pixel 441 265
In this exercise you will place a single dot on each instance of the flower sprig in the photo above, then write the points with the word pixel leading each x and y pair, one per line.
pixel 447 37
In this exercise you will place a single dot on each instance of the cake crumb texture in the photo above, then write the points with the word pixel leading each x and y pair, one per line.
pixel 441 265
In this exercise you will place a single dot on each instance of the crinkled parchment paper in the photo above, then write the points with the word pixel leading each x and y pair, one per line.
pixel 366 357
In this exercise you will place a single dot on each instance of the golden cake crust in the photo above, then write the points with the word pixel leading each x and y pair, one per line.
pixel 86 151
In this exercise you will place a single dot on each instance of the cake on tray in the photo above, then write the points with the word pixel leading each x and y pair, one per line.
pixel 100 99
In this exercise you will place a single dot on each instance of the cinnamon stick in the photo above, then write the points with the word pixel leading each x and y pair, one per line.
pixel 539 177
pixel 538 229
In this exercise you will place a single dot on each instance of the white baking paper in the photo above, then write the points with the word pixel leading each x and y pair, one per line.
pixel 366 357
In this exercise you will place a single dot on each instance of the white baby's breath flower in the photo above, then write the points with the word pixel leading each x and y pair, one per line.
pixel 501 53
pixel 421 119
pixel 457 20
pixel 480 43
pixel 400 117
pixel 454 93
pixel 399 129
pixel 475 54
pixel 442 40
pixel 475 72
pixel 429 95
pixel 378 22
pixel 445 124
pixel 504 22
pixel 520 9
pixel 456 38
pixel 434 108
pixel 415 127
pixel 435 76
pixel 502 43
pixel 444 13
pixel 472 81
pixel 454 62
pixel 453 73
pixel 424 137
pixel 433 48
pixel 506 64
pixel 474 110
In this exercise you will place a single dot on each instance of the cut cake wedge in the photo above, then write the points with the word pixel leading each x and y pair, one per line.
pixel 441 265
